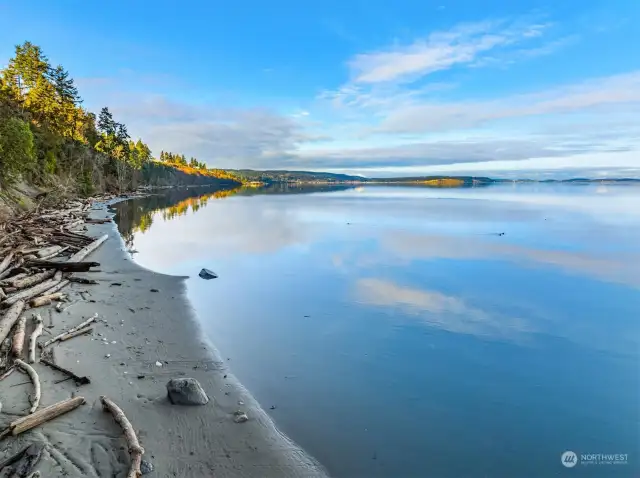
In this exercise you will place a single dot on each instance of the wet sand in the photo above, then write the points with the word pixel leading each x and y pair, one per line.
pixel 147 320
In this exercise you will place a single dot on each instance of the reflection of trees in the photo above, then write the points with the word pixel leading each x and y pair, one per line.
pixel 136 215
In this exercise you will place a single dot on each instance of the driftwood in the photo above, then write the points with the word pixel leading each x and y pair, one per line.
pixel 56 287
pixel 46 299
pixel 44 415
pixel 70 331
pixel 7 373
pixel 54 254
pixel 10 280
pixel 47 251
pixel 10 318
pixel 75 224
pixel 82 280
pixel 79 380
pixel 64 266
pixel 31 292
pixel 82 253
pixel 25 461
pixel 4 265
pixel 18 337
pixel 97 221
pixel 33 375
pixel 2 294
pixel 37 332
pixel 135 450
pixel 70 335
pixel 32 280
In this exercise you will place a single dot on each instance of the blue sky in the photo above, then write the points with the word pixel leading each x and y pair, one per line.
pixel 373 87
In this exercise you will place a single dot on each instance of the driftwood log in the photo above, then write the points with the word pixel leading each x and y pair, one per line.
pixel 10 318
pixel 135 450
pixel 33 375
pixel 76 378
pixel 56 287
pixel 64 266
pixel 82 280
pixel 46 299
pixel 25 461
pixel 31 280
pixel 17 343
pixel 84 252
pixel 47 251
pixel 70 335
pixel 54 254
pixel 33 338
pixel 4 265
pixel 44 415
pixel 31 292
pixel 70 331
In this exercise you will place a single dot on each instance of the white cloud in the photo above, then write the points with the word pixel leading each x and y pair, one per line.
pixel 461 45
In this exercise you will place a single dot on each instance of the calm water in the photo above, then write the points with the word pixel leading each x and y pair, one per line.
pixel 399 335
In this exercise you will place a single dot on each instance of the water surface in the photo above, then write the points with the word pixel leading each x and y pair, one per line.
pixel 409 332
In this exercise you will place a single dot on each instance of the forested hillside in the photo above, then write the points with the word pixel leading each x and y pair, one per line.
pixel 48 139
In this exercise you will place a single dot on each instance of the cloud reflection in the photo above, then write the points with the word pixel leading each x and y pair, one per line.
pixel 439 310
pixel 620 268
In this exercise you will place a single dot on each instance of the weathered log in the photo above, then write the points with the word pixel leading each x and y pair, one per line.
pixel 44 415
pixel 32 280
pixel 31 292
pixel 33 338
pixel 98 221
pixel 64 266
pixel 25 461
pixel 10 318
pixel 135 450
pixel 84 252
pixel 70 335
pixel 4 265
pixel 74 224
pixel 79 380
pixel 54 254
pixel 33 375
pixel 7 373
pixel 2 295
pixel 56 287
pixel 47 251
pixel 17 343
pixel 82 280
pixel 46 299
pixel 70 331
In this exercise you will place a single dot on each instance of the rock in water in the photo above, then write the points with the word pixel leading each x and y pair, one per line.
pixel 186 391
pixel 207 274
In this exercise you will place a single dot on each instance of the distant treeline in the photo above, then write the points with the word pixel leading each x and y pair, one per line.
pixel 48 138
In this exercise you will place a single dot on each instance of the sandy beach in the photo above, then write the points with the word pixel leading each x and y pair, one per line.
pixel 152 335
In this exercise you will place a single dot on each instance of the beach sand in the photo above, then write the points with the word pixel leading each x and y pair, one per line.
pixel 143 328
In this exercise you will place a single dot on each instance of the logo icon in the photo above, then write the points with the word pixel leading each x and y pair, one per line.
pixel 569 459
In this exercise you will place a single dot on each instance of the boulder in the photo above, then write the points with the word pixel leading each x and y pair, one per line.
pixel 207 274
pixel 186 391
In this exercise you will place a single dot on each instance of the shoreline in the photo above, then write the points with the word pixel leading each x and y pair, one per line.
pixel 142 328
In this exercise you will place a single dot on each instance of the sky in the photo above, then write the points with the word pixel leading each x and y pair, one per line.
pixel 538 89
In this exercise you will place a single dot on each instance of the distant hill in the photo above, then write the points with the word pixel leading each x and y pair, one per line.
pixel 313 177
pixel 281 176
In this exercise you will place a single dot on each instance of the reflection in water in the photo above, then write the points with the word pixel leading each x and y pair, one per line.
pixel 439 310
pixel 396 323
pixel 137 215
